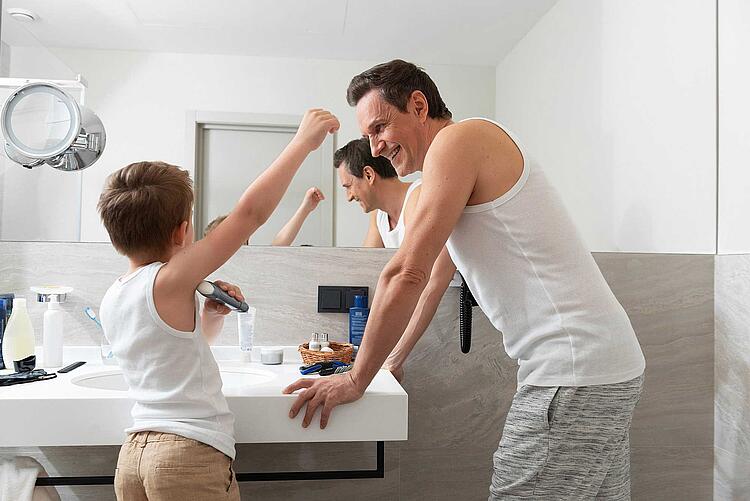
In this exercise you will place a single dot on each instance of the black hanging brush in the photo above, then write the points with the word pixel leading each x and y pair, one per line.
pixel 465 303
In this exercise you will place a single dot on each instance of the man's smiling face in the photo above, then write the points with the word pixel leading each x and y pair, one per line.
pixel 392 133
pixel 357 188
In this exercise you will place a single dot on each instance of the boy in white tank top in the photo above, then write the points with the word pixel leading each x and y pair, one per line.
pixel 181 444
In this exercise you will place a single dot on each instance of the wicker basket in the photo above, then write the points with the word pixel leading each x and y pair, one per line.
pixel 341 352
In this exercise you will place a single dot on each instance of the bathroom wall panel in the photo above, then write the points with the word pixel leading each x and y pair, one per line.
pixel 672 473
pixel 457 402
pixel 669 299
pixel 732 393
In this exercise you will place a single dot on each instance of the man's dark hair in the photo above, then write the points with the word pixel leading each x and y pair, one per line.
pixel 357 155
pixel 396 81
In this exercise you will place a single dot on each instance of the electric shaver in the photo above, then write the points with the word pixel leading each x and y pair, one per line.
pixel 213 291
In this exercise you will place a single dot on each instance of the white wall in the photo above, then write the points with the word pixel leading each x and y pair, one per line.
pixel 734 128
pixel 38 62
pixel 617 102
pixel 142 98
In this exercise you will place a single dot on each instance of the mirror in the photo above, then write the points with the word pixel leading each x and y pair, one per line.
pixel 38 121
pixel 42 124
pixel 150 68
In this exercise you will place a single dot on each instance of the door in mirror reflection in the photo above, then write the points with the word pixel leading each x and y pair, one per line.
pixel 232 156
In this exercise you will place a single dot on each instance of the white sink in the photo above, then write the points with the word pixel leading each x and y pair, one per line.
pixel 114 380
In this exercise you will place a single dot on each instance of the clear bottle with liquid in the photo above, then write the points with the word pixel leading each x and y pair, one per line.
pixel 18 341
pixel 314 342
pixel 324 343
pixel 246 331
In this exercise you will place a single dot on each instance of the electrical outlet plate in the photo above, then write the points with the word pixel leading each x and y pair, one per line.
pixel 338 298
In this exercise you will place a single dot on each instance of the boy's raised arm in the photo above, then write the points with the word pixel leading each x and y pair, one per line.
pixel 255 206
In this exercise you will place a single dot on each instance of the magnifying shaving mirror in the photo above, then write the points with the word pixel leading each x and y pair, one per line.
pixel 42 124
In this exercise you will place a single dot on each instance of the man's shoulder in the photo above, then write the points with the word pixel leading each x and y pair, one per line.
pixel 466 135
pixel 465 141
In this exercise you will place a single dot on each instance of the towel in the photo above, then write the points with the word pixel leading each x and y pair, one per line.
pixel 18 478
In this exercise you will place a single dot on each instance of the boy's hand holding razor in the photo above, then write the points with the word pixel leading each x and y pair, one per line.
pixel 211 306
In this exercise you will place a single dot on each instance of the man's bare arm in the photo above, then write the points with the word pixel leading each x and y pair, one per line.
pixel 373 238
pixel 442 273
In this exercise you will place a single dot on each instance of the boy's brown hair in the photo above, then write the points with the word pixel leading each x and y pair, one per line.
pixel 142 204
pixel 213 224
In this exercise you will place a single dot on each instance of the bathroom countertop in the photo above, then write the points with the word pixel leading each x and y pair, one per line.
pixel 60 412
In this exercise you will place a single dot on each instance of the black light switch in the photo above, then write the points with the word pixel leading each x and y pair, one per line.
pixel 338 298
pixel 329 299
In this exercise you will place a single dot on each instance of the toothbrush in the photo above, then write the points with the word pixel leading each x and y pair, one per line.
pixel 109 356
pixel 90 313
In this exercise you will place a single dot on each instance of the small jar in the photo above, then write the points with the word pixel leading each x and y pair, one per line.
pixel 314 342
pixel 324 341
pixel 272 356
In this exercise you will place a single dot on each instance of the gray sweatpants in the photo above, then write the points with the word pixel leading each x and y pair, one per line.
pixel 567 443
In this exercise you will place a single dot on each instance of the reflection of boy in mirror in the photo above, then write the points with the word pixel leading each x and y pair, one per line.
pixel 373 183
pixel 289 232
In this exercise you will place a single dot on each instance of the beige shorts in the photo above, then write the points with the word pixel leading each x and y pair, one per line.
pixel 155 466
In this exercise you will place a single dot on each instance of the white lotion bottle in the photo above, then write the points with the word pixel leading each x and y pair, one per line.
pixel 52 340
pixel 18 341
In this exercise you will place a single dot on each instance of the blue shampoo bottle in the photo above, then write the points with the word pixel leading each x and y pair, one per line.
pixel 358 319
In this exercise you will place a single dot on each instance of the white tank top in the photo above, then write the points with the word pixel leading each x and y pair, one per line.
pixel 172 375
pixel 392 238
pixel 531 274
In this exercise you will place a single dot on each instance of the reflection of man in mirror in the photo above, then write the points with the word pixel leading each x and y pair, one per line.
pixel 488 202
pixel 285 237
pixel 374 184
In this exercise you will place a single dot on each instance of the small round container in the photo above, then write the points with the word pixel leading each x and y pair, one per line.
pixel 272 356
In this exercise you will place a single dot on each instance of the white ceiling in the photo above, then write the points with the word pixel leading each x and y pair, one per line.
pixel 475 32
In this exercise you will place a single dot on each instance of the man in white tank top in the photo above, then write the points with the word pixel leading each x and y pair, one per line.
pixel 374 184
pixel 486 208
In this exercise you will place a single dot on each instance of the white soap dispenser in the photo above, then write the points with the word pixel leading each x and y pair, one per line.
pixel 52 339
pixel 18 341
pixel 53 326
